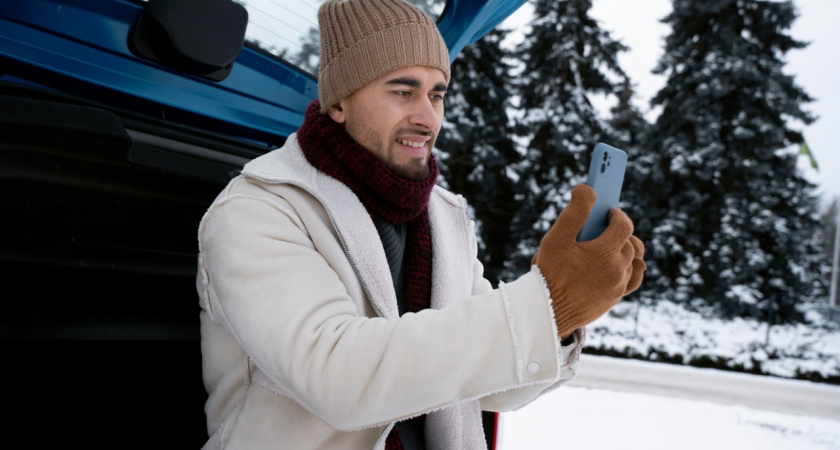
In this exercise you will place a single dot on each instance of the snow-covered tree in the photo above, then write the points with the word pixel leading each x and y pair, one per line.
pixel 566 57
pixel 731 223
pixel 628 131
pixel 476 147
pixel 628 125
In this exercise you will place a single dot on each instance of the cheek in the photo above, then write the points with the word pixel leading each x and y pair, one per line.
pixel 439 122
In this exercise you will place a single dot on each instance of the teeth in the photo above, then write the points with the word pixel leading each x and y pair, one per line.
pixel 413 144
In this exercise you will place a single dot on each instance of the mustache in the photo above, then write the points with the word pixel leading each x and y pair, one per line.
pixel 416 131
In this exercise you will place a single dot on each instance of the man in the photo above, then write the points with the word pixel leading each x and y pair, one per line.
pixel 343 305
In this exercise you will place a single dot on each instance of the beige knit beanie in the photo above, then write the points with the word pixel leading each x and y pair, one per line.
pixel 362 40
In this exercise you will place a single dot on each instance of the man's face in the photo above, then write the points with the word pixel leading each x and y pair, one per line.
pixel 397 117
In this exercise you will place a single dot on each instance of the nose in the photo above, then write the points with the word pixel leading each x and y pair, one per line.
pixel 424 114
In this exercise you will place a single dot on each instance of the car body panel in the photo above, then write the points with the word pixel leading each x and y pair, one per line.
pixel 80 47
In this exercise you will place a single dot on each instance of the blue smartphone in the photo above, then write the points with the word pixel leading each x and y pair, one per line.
pixel 606 175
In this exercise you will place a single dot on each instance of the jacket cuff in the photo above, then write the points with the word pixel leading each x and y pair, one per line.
pixel 532 327
pixel 570 354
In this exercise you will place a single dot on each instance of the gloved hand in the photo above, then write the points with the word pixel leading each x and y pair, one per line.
pixel 586 279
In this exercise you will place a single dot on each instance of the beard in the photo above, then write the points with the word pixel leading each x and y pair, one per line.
pixel 416 169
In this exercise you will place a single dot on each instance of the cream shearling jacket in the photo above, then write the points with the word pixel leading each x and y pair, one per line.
pixel 301 340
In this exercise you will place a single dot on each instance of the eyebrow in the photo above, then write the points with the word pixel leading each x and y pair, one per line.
pixel 415 83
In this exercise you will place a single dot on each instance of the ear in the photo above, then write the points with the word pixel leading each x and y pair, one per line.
pixel 337 114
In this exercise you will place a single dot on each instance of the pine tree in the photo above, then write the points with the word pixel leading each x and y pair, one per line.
pixel 476 147
pixel 628 125
pixel 566 57
pixel 308 57
pixel 628 131
pixel 731 223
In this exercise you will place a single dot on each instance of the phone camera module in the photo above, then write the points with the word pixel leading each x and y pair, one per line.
pixel 605 163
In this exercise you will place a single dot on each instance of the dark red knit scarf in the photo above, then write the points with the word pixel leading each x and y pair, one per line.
pixel 399 201
pixel 329 148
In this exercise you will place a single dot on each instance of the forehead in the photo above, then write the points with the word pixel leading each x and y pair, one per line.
pixel 427 77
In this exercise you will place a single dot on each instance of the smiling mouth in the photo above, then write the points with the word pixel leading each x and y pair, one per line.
pixel 412 143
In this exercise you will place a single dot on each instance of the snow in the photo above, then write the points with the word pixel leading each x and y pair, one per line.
pixel 667 331
pixel 581 418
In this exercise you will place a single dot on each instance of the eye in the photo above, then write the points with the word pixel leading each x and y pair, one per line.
pixel 403 94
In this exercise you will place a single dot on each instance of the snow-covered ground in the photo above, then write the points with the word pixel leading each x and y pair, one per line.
pixel 668 331
pixel 579 418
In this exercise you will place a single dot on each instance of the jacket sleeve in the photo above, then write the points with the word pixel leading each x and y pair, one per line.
pixel 568 356
pixel 269 287
pixel 514 399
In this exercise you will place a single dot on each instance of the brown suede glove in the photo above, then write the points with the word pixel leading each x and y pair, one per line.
pixel 586 279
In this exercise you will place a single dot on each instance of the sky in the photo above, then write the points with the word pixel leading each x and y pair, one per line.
pixel 815 68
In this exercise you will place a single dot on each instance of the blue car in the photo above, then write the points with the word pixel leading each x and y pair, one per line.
pixel 120 121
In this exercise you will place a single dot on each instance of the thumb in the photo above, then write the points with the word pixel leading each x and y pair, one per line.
pixel 571 219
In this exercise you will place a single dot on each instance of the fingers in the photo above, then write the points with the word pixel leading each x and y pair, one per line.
pixel 572 218
pixel 639 265
pixel 619 227
pixel 638 246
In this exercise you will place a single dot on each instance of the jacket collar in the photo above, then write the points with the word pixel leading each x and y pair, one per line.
pixel 452 248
